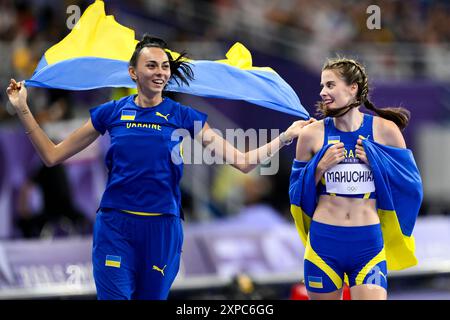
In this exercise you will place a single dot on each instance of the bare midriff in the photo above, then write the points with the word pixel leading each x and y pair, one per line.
pixel 344 211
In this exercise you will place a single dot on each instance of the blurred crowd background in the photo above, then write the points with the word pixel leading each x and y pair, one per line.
pixel 407 60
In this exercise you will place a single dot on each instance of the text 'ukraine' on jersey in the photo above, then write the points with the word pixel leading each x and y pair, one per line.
pixel 142 175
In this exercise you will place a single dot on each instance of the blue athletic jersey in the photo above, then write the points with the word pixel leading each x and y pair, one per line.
pixel 144 160
pixel 352 178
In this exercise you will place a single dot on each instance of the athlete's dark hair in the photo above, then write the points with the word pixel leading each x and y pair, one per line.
pixel 180 69
pixel 351 72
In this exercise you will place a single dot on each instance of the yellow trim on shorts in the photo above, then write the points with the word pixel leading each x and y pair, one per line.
pixel 367 195
pixel 314 258
pixel 381 256
pixel 181 150
pixel 142 213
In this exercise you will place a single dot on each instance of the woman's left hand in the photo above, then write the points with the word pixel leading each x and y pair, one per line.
pixel 294 130
pixel 360 153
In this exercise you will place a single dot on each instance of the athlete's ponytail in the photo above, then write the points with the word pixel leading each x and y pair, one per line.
pixel 180 69
pixel 400 116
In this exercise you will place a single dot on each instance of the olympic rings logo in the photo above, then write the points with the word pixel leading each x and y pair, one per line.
pixel 352 188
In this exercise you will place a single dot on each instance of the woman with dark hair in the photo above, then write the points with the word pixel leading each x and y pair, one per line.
pixel 138 233
pixel 339 191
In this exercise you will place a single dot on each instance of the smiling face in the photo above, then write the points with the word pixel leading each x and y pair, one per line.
pixel 152 71
pixel 336 93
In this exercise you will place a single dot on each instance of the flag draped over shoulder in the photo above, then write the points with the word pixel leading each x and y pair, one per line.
pixel 399 196
pixel 96 53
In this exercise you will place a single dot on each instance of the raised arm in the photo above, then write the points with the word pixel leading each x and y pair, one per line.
pixel 50 153
pixel 247 161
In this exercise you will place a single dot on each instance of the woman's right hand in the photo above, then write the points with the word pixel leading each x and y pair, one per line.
pixel 334 155
pixel 17 94
pixel 296 127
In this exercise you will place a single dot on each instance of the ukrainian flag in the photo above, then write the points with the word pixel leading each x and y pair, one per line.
pixel 96 53
pixel 113 261
pixel 315 282
pixel 399 198
pixel 334 139
pixel 128 115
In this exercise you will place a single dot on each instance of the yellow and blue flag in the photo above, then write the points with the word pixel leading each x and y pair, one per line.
pixel 113 261
pixel 334 139
pixel 96 53
pixel 315 282
pixel 128 115
pixel 399 196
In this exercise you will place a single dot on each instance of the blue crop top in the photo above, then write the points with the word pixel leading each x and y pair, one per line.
pixel 350 178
